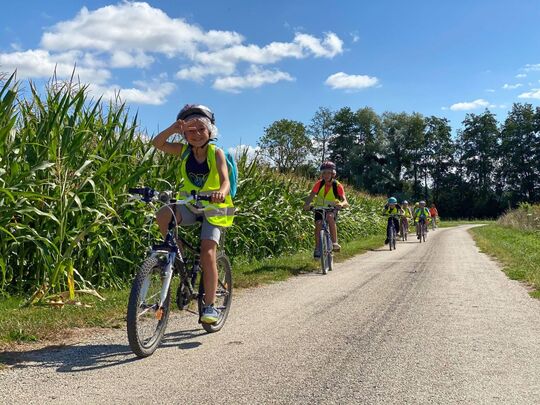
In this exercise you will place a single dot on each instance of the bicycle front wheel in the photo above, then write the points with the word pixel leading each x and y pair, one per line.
pixel 330 254
pixel 223 293
pixel 146 320
pixel 324 251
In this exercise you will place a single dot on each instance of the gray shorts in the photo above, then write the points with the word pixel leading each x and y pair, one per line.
pixel 208 231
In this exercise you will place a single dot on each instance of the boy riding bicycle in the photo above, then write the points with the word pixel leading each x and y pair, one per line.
pixel 204 169
pixel 327 192
pixel 391 209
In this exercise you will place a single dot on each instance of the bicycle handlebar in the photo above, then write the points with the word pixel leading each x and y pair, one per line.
pixel 148 195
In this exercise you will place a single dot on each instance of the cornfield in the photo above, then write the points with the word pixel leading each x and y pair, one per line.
pixel 66 220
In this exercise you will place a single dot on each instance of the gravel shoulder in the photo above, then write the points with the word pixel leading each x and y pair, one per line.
pixel 428 323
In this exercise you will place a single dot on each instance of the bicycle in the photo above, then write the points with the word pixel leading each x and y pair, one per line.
pixel 150 298
pixel 404 225
pixel 325 240
pixel 421 228
pixel 392 231
pixel 433 223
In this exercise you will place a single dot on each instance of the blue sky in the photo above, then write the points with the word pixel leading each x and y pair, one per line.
pixel 256 62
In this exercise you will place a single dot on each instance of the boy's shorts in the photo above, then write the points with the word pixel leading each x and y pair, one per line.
pixel 318 215
pixel 208 231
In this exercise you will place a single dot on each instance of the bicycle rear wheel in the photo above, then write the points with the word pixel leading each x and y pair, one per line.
pixel 146 321
pixel 223 293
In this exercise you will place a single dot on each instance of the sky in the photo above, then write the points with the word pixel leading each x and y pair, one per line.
pixel 255 62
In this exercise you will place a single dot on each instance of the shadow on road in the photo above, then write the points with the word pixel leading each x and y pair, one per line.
pixel 87 357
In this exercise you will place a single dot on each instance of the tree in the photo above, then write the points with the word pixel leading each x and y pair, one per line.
pixel 479 143
pixel 440 151
pixel 320 130
pixel 520 157
pixel 286 144
pixel 366 151
pixel 345 129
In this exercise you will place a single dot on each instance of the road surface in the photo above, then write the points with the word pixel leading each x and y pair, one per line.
pixel 429 323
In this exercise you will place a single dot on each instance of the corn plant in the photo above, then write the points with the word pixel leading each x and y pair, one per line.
pixel 66 222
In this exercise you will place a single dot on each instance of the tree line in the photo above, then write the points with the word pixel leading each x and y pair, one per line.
pixel 479 172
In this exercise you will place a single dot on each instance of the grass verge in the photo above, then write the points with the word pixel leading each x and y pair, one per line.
pixel 456 222
pixel 517 250
pixel 41 323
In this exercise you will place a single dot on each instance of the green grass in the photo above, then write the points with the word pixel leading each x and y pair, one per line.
pixel 42 323
pixel 457 222
pixel 517 250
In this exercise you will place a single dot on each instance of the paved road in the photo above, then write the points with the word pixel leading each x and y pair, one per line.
pixel 418 325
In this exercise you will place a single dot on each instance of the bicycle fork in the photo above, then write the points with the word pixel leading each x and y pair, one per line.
pixel 165 278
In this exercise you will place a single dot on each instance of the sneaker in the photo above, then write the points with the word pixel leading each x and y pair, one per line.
pixel 386 241
pixel 316 254
pixel 210 315
pixel 336 247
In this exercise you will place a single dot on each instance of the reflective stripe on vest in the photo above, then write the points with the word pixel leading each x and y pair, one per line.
pixel 329 198
pixel 218 214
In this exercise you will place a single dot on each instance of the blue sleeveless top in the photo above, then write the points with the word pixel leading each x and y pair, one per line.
pixel 197 172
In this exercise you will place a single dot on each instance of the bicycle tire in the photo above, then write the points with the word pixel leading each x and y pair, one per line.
pixel 224 289
pixel 330 256
pixel 324 250
pixel 140 345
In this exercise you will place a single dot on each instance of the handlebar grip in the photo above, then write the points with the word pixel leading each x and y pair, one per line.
pixel 135 190
pixel 204 198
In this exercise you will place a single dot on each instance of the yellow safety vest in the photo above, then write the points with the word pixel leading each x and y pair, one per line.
pixel 421 211
pixel 218 214
pixel 323 199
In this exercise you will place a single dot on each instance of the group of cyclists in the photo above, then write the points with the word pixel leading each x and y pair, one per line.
pixel 204 169
pixel 406 214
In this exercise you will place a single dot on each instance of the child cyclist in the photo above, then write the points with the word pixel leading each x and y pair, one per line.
pixel 204 169
pixel 434 214
pixel 407 215
pixel 327 191
pixel 391 208
pixel 421 212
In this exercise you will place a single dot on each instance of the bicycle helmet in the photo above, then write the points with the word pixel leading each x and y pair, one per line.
pixel 422 202
pixel 195 110
pixel 201 112
pixel 392 200
pixel 328 165
pixel 405 202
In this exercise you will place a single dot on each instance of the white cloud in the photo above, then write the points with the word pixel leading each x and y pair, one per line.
pixel 350 82
pixel 136 35
pixel 250 151
pixel 41 64
pixel 255 78
pixel 511 86
pixel 521 75
pixel 122 59
pixel 531 67
pixel 469 105
pixel 355 37
pixel 490 90
pixel 225 61
pixel 153 93
pixel 534 93
pixel 133 27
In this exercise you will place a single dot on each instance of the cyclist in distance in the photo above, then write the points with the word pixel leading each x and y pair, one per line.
pixel 203 168
pixel 326 191
pixel 434 214
pixel 392 208
pixel 421 211
pixel 407 212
